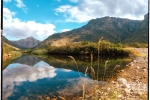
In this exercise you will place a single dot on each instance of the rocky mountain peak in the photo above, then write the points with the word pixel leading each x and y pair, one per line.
pixel 28 42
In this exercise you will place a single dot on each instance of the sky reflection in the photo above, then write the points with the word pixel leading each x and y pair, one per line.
pixel 19 73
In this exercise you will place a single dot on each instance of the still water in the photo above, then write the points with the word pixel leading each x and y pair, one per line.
pixel 30 77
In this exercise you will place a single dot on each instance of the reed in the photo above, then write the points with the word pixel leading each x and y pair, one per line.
pixel 98 92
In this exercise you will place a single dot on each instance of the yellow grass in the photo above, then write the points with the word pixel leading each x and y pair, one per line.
pixel 136 53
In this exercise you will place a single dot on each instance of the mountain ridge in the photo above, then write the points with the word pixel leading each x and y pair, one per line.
pixel 113 29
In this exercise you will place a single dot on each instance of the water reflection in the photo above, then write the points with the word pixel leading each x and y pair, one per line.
pixel 20 73
pixel 27 59
pixel 30 76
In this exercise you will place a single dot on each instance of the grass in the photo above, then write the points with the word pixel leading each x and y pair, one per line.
pixel 39 51
pixel 98 92
pixel 134 52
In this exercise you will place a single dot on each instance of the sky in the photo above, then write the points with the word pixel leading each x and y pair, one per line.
pixel 42 18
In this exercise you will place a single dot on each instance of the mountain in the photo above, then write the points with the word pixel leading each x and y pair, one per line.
pixel 8 43
pixel 141 35
pixel 110 28
pixel 29 42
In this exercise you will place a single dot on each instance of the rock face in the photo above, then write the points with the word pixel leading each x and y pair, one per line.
pixel 110 28
pixel 29 42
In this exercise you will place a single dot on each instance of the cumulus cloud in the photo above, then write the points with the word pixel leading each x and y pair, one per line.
pixel 22 73
pixel 89 9
pixel 20 4
pixel 14 27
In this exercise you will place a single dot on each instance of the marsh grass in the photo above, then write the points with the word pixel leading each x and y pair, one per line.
pixel 134 52
pixel 98 92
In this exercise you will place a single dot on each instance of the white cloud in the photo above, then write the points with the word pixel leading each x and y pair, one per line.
pixel 14 27
pixel 66 70
pixel 22 73
pixel 7 0
pixel 90 9
pixel 20 4
pixel 63 9
pixel 64 30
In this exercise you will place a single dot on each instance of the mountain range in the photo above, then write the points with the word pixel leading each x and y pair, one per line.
pixel 112 29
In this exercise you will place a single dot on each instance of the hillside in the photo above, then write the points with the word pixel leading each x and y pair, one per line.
pixel 112 29
pixel 9 50
pixel 9 44
pixel 141 35
pixel 29 42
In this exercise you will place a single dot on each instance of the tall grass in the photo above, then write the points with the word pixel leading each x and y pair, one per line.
pixel 97 94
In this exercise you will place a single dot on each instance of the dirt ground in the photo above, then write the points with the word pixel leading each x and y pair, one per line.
pixel 137 70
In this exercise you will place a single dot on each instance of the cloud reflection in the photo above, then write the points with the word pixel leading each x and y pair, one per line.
pixel 75 85
pixel 21 73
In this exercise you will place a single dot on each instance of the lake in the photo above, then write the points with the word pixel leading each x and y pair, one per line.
pixel 31 77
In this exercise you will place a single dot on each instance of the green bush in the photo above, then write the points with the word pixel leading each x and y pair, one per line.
pixel 39 52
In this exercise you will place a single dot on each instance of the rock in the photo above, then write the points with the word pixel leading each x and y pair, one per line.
pixel 119 96
pixel 54 99
pixel 127 91
pixel 138 93
pixel 134 61
pixel 121 80
pixel 112 81
pixel 126 86
pixel 108 88
pixel 122 70
pixel 144 70
pixel 138 67
pixel 47 98
pixel 127 65
pixel 131 64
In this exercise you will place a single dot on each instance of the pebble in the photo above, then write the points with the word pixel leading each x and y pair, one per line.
pixel 47 98
pixel 126 86
pixel 121 80
pixel 144 70
pixel 122 70
pixel 134 61
pixel 127 65
pixel 127 91
pixel 131 64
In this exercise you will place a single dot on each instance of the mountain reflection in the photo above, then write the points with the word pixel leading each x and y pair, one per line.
pixel 28 60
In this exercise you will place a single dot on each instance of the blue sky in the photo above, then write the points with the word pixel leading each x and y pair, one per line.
pixel 42 18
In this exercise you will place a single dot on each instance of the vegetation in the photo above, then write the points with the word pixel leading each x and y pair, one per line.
pixel 137 45
pixel 8 49
pixel 38 51
pixel 84 48
pixel 9 54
